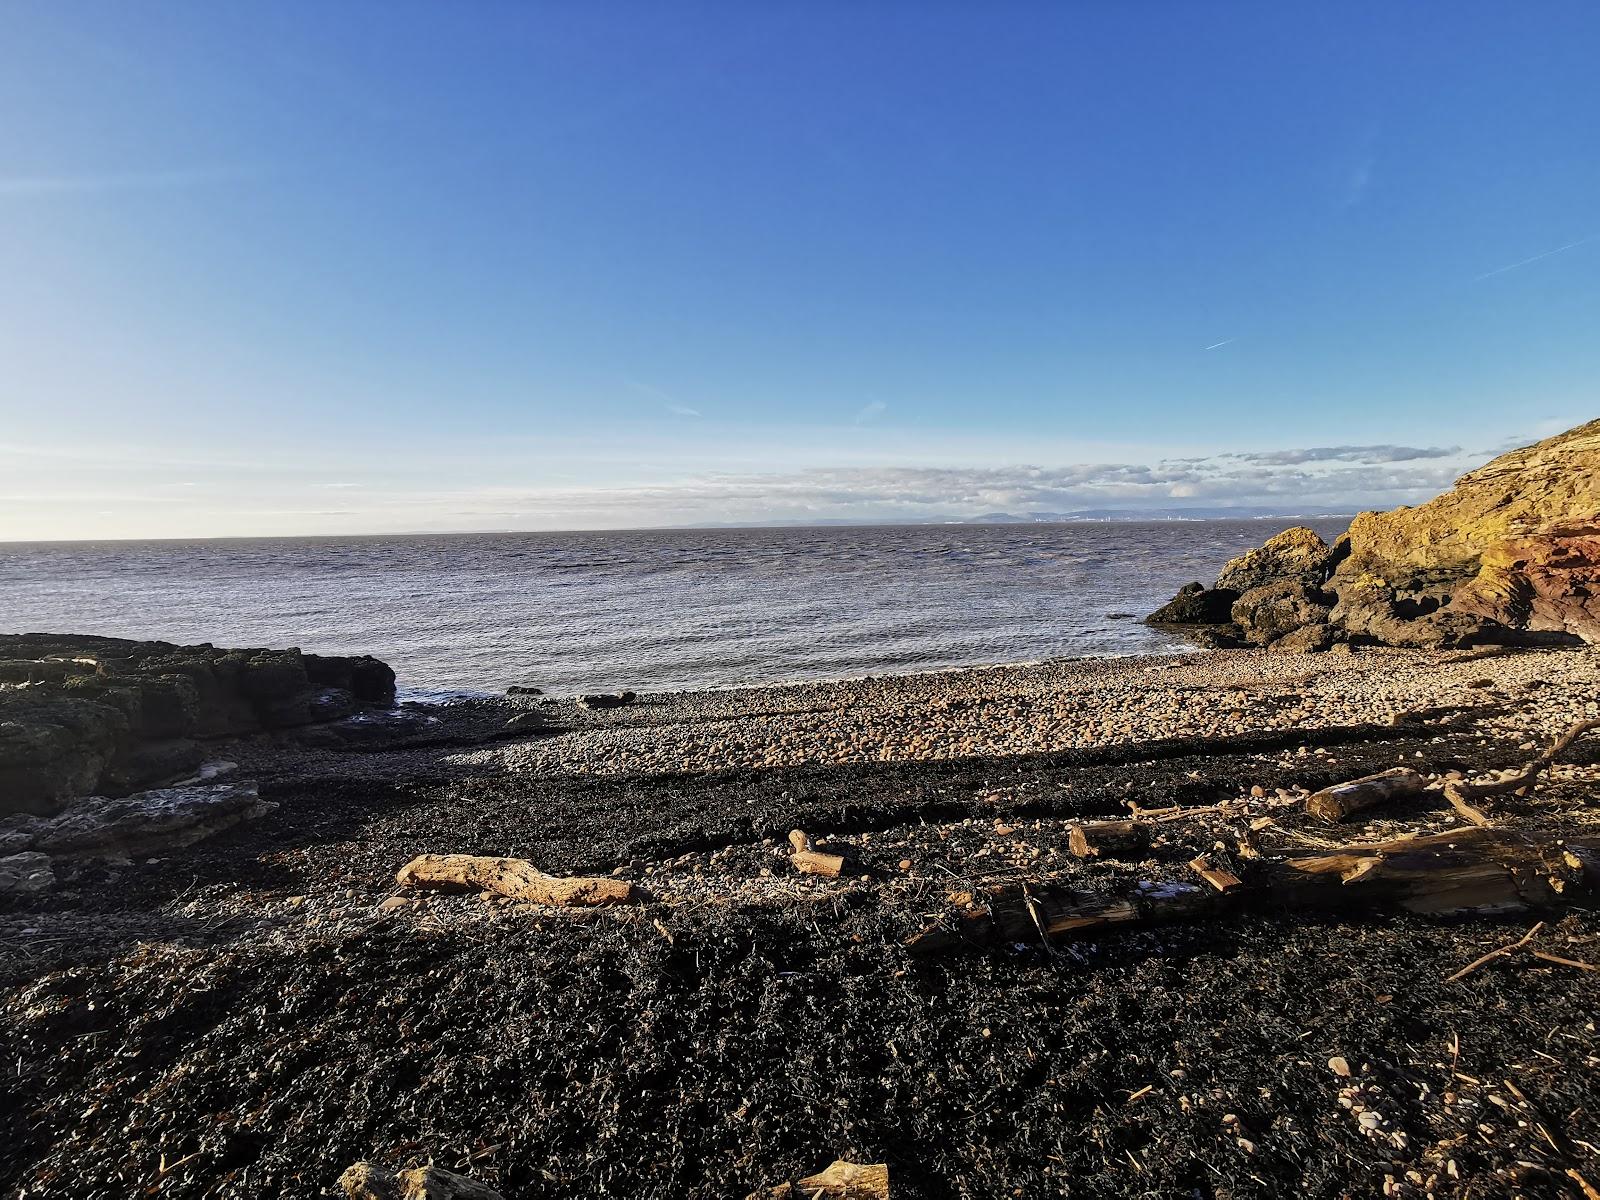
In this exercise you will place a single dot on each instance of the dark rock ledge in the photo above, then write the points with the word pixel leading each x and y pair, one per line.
pixel 104 716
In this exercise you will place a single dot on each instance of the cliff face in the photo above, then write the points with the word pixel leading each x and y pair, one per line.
pixel 1513 548
pixel 1519 495
pixel 1510 554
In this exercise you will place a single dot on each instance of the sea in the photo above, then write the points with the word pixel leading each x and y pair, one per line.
pixel 649 610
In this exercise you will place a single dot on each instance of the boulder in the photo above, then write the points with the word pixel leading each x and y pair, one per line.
pixel 606 700
pixel 54 747
pixel 1308 639
pixel 1511 554
pixel 1196 604
pixel 1297 554
pixel 1269 612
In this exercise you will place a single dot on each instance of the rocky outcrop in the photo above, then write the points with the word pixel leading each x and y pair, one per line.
pixel 94 714
pixel 1260 596
pixel 1511 554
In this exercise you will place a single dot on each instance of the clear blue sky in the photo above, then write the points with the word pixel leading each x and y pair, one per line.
pixel 309 267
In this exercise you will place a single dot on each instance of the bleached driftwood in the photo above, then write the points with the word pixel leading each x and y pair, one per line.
pixel 368 1181
pixel 810 861
pixel 1462 795
pixel 512 877
pixel 840 1181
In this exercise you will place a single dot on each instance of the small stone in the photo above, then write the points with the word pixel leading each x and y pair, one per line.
pixel 1339 1067
pixel 393 904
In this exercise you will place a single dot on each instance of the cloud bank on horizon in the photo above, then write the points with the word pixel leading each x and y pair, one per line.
pixel 263 501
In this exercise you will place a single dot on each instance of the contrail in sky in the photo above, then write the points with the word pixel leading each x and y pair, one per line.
pixel 1224 342
pixel 50 185
pixel 1534 259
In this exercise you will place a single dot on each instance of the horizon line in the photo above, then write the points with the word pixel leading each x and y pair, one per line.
pixel 824 523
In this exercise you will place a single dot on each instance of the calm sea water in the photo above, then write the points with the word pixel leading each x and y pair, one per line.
pixel 650 610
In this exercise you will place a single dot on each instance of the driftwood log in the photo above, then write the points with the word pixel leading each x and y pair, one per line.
pixel 1341 801
pixel 810 861
pixel 1471 870
pixel 368 1181
pixel 513 877
pixel 1110 839
pixel 840 1181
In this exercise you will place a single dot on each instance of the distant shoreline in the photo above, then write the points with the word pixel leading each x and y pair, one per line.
pixel 1207 517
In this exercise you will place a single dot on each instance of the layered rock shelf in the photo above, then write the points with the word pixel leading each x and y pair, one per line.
pixel 1510 555
pixel 94 715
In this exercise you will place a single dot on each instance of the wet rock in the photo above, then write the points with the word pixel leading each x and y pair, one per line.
pixel 1196 604
pixel 606 700
pixel 1215 637
pixel 518 689
pixel 1298 554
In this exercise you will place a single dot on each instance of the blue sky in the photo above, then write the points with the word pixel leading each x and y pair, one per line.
pixel 320 268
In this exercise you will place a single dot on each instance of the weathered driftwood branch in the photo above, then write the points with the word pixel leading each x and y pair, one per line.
pixel 1511 948
pixel 513 877
pixel 1339 802
pixel 810 861
pixel 368 1181
pixel 1461 795
pixel 1110 839
pixel 1460 871
pixel 841 1181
